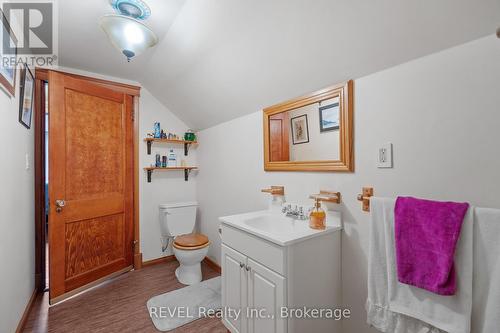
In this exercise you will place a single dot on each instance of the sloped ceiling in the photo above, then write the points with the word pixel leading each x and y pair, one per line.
pixel 221 59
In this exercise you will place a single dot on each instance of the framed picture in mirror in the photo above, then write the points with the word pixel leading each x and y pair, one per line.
pixel 300 130
pixel 329 119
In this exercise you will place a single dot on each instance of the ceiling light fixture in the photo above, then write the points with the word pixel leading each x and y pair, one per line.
pixel 125 30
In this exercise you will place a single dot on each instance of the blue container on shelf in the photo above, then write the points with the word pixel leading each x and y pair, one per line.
pixel 157 131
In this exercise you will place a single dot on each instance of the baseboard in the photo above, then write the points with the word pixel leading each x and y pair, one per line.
pixel 159 261
pixel 212 264
pixel 26 313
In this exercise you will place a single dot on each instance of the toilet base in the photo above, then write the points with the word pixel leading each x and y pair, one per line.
pixel 189 274
pixel 189 271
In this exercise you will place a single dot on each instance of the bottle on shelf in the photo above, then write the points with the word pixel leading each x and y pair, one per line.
pixel 157 130
pixel 172 159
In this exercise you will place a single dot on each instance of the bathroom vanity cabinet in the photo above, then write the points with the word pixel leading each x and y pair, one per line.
pixel 271 265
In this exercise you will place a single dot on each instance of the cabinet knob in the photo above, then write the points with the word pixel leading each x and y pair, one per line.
pixel 242 265
pixel 248 268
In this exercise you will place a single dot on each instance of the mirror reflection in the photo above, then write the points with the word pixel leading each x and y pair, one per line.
pixel 307 133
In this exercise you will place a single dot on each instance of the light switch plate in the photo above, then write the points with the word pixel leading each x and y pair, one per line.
pixel 385 156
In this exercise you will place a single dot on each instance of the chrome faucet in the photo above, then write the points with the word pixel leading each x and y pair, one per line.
pixel 297 212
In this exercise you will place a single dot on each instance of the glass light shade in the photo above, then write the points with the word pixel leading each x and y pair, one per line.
pixel 127 34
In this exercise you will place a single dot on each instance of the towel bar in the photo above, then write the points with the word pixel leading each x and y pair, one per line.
pixel 365 198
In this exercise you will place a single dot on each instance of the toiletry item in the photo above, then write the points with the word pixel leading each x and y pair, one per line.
pixel 157 130
pixel 317 217
pixel 189 135
pixel 158 161
pixel 163 134
pixel 172 159
pixel 164 161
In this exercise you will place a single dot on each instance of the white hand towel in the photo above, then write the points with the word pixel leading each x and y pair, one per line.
pixel 449 313
pixel 379 314
pixel 486 284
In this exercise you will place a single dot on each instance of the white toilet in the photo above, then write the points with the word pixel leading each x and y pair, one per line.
pixel 177 220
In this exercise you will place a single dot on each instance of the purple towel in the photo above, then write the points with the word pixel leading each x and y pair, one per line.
pixel 426 235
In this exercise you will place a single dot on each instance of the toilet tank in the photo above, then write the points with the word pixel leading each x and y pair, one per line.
pixel 177 218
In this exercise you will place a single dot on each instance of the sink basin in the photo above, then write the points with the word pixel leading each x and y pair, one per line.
pixel 272 224
pixel 277 228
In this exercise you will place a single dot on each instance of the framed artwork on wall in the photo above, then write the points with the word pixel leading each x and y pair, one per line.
pixel 300 130
pixel 26 96
pixel 7 73
pixel 329 118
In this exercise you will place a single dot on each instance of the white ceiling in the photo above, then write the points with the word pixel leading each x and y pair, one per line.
pixel 220 59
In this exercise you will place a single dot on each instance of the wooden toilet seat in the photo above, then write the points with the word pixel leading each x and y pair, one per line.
pixel 192 241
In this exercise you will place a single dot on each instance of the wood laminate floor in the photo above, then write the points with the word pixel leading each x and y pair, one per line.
pixel 117 306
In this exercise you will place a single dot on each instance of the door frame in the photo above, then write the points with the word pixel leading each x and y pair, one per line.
pixel 42 76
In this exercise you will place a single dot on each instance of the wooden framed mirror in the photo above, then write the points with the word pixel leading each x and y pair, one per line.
pixel 312 132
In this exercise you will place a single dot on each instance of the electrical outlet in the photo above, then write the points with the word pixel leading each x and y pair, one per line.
pixel 385 156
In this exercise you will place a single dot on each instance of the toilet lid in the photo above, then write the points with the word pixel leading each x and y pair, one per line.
pixel 191 240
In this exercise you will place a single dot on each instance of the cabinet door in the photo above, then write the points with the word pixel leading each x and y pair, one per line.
pixel 266 292
pixel 234 288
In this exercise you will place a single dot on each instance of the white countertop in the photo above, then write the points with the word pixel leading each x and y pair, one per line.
pixel 279 229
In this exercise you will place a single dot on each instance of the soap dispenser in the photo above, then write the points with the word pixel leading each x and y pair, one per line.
pixel 317 217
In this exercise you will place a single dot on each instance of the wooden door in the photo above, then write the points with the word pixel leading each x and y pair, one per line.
pixel 266 290
pixel 91 171
pixel 234 287
pixel 279 141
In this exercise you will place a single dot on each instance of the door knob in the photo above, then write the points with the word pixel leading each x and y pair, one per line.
pixel 59 205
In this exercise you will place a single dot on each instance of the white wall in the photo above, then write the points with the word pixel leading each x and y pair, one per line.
pixel 166 186
pixel 441 112
pixel 17 221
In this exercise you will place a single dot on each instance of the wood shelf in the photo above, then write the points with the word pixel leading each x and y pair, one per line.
pixel 186 143
pixel 187 170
